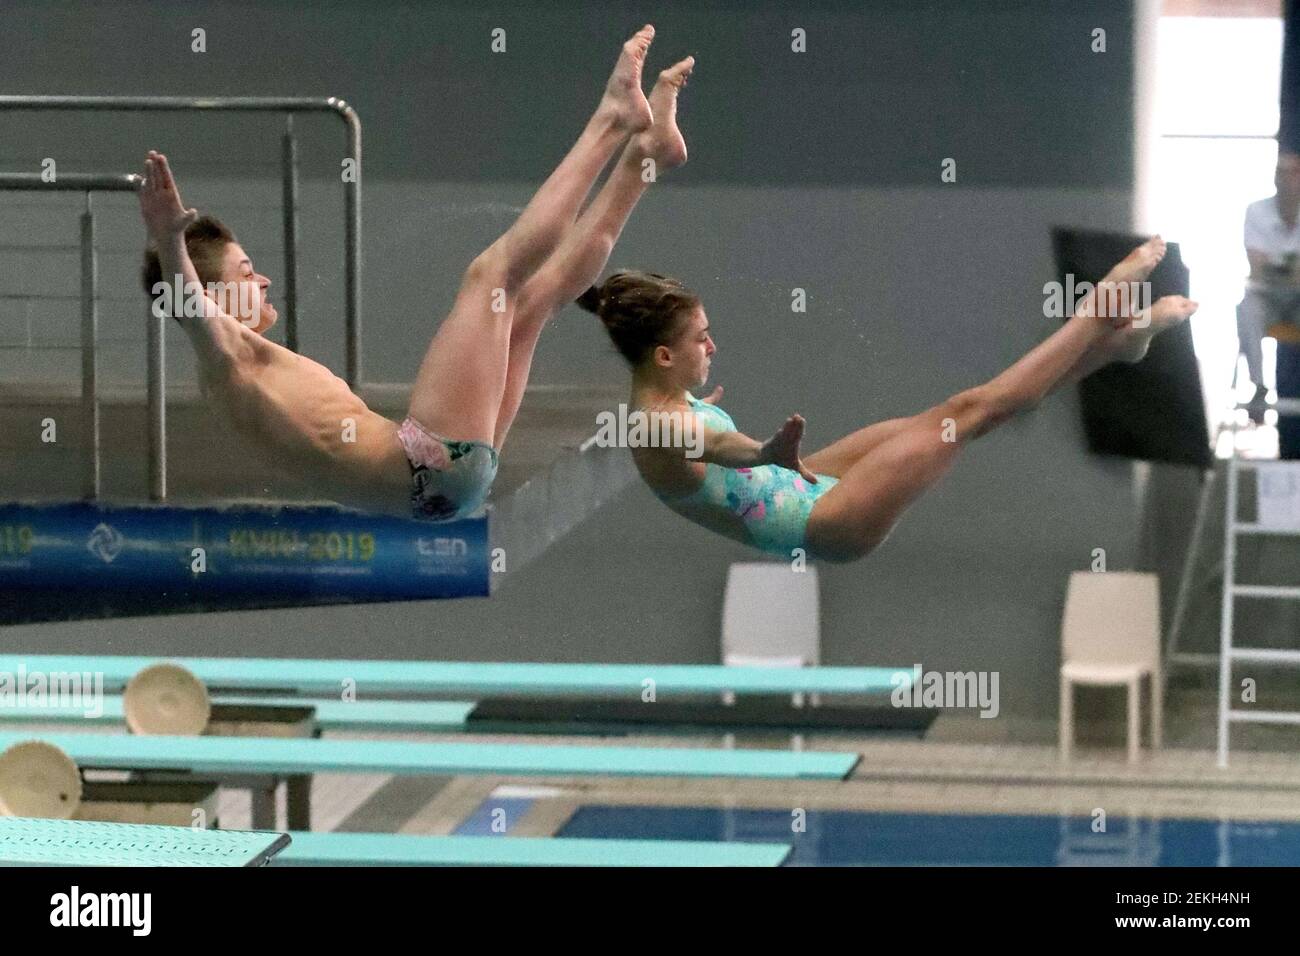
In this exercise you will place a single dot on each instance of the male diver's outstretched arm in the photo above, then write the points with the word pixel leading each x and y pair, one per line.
pixel 166 218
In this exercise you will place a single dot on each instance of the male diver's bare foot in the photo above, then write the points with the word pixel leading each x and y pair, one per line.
pixel 663 141
pixel 623 103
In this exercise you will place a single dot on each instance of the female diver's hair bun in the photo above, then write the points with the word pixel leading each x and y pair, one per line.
pixel 591 300
pixel 640 310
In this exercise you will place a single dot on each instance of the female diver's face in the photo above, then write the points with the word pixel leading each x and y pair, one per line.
pixel 692 353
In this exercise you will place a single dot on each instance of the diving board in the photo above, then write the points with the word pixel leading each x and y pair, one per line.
pixel 25 842
pixel 429 716
pixel 289 756
pixel 329 677
pixel 386 849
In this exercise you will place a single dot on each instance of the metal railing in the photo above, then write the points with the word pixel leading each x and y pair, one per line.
pixel 155 383
pixel 288 105
pixel 89 185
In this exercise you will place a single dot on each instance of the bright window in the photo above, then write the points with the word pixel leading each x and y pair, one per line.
pixel 1216 116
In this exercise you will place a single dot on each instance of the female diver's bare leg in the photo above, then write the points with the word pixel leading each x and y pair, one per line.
pixel 859 512
pixel 1124 344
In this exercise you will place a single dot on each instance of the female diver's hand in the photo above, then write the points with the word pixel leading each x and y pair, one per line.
pixel 783 448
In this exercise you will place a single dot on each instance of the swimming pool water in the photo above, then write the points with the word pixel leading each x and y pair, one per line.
pixel 845 838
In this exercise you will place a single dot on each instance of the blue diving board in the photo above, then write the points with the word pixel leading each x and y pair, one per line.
pixel 392 715
pixel 429 677
pixel 25 842
pixel 281 756
pixel 386 849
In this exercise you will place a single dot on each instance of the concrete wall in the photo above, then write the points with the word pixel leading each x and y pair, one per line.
pixel 817 170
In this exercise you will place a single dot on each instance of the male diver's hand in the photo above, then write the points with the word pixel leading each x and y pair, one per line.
pixel 783 448
pixel 160 202
pixel 714 396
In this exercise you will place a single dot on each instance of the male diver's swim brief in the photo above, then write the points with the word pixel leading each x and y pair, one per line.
pixel 449 479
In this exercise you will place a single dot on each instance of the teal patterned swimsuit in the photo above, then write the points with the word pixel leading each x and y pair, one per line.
pixel 773 502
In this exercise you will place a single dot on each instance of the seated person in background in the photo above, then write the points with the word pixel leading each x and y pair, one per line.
pixel 1272 237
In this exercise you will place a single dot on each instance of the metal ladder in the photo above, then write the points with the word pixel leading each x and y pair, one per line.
pixel 1228 652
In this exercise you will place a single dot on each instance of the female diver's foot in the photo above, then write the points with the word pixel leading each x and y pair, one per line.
pixel 663 141
pixel 1113 298
pixel 623 103
pixel 1139 263
pixel 1130 343
pixel 1113 301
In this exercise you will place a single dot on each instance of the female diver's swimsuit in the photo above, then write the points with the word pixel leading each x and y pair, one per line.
pixel 773 502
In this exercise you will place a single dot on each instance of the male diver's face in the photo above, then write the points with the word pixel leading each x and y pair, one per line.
pixel 1287 178
pixel 693 351
pixel 243 291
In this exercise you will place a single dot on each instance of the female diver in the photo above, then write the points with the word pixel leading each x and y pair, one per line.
pixel 838 503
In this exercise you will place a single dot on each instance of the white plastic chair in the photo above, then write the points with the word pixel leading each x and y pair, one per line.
pixel 771 612
pixel 771 617
pixel 1110 637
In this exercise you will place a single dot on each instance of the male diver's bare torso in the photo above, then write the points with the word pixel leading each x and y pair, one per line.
pixel 304 420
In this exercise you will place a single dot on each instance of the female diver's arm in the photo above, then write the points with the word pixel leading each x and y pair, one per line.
pixel 737 450
pixel 729 449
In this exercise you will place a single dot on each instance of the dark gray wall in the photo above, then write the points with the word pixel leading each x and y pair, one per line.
pixel 884 89
pixel 818 171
